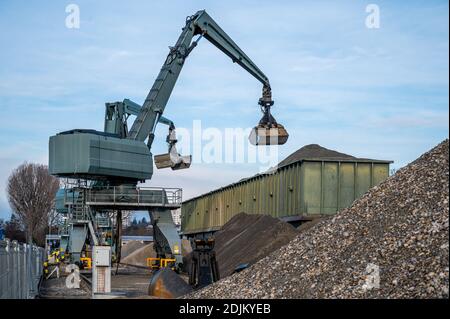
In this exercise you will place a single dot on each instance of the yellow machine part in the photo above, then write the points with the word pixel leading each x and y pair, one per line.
pixel 154 263
pixel 158 263
pixel 87 262
pixel 55 257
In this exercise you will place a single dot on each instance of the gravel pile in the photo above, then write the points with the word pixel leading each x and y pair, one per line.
pixel 130 247
pixel 314 151
pixel 186 248
pixel 56 288
pixel 248 238
pixel 391 243
pixel 140 255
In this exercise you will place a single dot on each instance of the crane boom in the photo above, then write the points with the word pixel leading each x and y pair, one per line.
pixel 214 34
pixel 203 25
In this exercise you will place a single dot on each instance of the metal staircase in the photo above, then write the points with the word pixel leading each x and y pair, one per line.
pixel 80 213
pixel 78 208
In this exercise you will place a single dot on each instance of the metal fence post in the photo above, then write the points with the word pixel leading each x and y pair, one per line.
pixel 18 262
pixel 20 269
pixel 4 269
pixel 13 270
pixel 23 256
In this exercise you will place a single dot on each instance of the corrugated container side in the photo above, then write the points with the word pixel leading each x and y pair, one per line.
pixel 308 188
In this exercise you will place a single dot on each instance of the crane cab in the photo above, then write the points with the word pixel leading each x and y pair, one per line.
pixel 95 155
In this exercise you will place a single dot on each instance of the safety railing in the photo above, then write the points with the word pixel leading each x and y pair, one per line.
pixel 64 230
pixel 20 270
pixel 142 196
pixel 78 215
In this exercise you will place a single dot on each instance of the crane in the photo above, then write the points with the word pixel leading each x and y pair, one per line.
pixel 115 160
pixel 203 25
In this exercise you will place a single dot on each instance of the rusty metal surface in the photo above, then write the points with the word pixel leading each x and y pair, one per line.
pixel 165 283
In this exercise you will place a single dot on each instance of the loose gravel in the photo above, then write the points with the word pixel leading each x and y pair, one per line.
pixel 391 243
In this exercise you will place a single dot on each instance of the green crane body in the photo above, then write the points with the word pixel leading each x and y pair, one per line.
pixel 119 156
pixel 117 159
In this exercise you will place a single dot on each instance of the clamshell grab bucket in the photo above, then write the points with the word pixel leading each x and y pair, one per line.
pixel 173 160
pixel 268 134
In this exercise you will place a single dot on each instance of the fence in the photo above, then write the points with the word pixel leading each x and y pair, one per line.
pixel 20 270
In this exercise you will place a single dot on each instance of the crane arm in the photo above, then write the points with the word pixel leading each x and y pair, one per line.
pixel 203 25
pixel 206 26
pixel 159 94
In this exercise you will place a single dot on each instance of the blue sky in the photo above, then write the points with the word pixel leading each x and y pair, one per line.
pixel 379 93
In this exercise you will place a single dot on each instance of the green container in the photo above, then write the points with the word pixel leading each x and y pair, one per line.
pixel 302 190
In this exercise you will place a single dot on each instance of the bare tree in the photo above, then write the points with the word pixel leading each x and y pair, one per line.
pixel 31 195
pixel 13 230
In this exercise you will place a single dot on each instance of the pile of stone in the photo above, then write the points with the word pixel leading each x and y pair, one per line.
pixel 130 247
pixel 391 243
pixel 314 151
pixel 245 239
pixel 139 256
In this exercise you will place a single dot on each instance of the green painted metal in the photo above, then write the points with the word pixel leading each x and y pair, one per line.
pixel 306 189
pixel 90 154
pixel 202 25
pixel 118 156
pixel 124 156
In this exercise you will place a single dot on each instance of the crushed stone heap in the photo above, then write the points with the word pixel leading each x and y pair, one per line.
pixel 391 243
pixel 139 256
pixel 248 238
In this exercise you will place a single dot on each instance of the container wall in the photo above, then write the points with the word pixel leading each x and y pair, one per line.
pixel 380 173
pixel 346 184
pixel 304 189
pixel 311 188
pixel 363 178
pixel 330 186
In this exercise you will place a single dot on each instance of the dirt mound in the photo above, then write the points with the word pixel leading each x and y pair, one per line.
pixel 248 238
pixel 391 243
pixel 139 256
pixel 130 247
pixel 185 247
pixel 56 288
pixel 313 151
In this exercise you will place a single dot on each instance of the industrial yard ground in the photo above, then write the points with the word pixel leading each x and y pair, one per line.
pixel 129 282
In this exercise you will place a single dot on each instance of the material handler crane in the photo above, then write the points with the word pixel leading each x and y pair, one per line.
pixel 114 161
